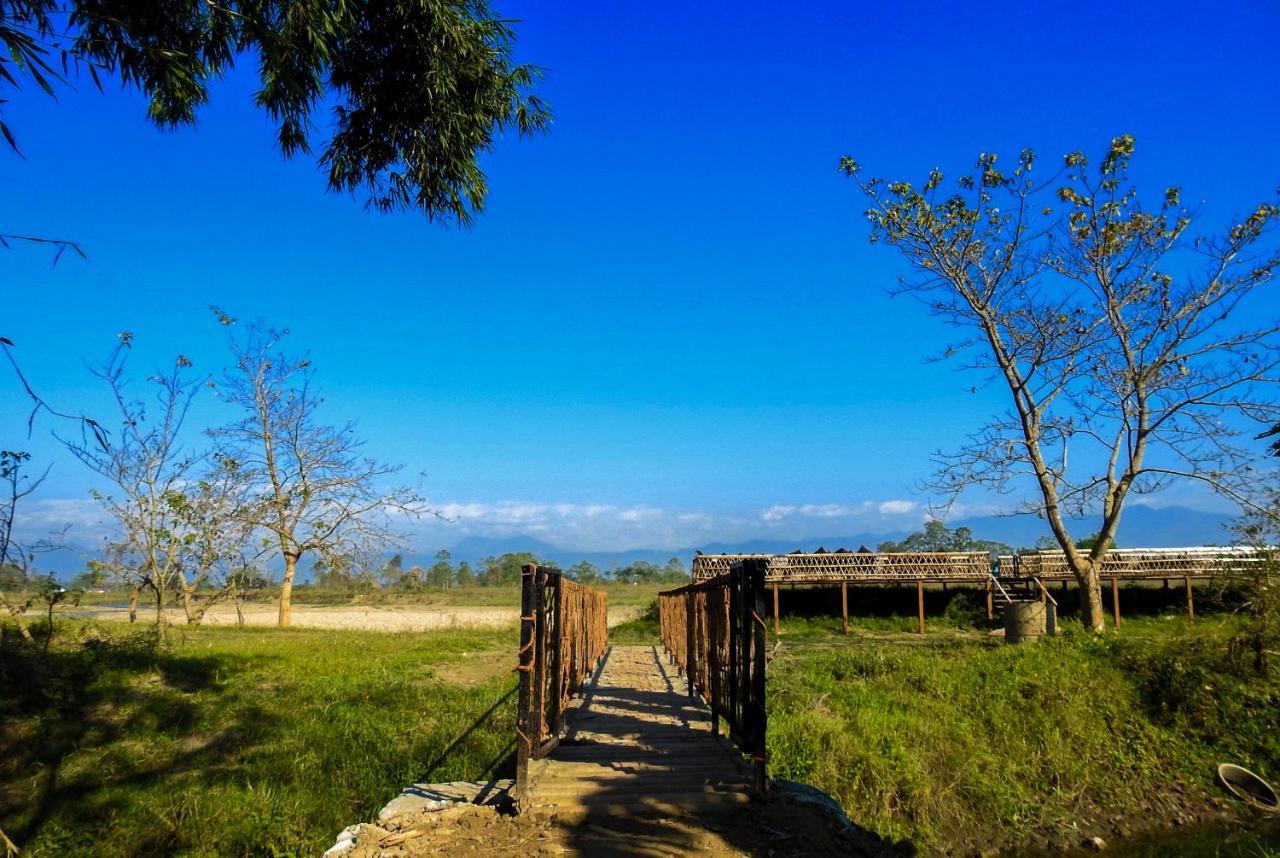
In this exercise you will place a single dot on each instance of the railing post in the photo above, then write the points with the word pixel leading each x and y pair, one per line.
pixel 690 604
pixel 539 701
pixel 555 719
pixel 524 721
pixel 715 616
pixel 735 655
pixel 759 715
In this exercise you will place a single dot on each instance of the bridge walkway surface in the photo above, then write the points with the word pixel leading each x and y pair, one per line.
pixel 638 773
pixel 636 741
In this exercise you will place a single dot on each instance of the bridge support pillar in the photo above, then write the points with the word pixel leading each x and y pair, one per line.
pixel 991 608
pixel 844 607
pixel 1191 600
pixel 1115 601
pixel 920 602
pixel 775 608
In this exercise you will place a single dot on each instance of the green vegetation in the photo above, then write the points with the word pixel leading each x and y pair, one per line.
pixel 936 536
pixel 236 742
pixel 403 152
pixel 643 630
pixel 956 740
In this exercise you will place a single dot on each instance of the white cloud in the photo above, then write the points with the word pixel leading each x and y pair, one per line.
pixel 572 525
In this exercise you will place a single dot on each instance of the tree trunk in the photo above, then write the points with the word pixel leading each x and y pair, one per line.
pixel 189 607
pixel 133 605
pixel 1092 614
pixel 286 590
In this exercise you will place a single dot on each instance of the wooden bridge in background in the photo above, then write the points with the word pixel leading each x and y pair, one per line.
pixel 631 730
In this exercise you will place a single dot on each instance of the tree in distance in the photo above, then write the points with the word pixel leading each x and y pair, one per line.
pixel 1134 353
pixel 936 536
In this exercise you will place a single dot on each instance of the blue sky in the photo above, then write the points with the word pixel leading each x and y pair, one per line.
pixel 669 326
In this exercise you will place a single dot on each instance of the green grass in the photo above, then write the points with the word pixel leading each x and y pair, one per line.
pixel 957 740
pixel 236 742
pixel 643 630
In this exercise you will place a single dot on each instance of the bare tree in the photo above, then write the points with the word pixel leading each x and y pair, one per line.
pixel 306 484
pixel 179 529
pixel 13 557
pixel 1128 347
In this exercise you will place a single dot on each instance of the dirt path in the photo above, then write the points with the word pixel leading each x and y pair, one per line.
pixel 775 828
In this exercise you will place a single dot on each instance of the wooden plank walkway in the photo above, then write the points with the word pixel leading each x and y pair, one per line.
pixel 637 743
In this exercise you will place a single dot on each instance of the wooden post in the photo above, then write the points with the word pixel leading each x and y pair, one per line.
pixel 539 704
pixel 991 607
pixel 759 716
pixel 1115 600
pixel 775 607
pixel 715 617
pixel 844 607
pixel 1191 601
pixel 920 601
pixel 524 742
pixel 555 719
pixel 735 655
pixel 690 642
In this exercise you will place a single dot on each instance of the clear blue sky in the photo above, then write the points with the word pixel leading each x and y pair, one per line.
pixel 670 320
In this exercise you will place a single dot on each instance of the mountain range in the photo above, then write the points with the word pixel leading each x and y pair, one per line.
pixel 1141 527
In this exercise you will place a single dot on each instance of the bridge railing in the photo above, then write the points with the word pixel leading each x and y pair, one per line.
pixel 715 632
pixel 563 635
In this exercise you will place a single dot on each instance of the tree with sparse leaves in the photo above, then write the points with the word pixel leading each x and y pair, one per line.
pixel 415 91
pixel 1134 353
pixel 305 484
pixel 178 511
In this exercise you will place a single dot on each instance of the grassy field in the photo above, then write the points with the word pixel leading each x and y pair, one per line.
pixel 956 741
pixel 226 741
pixel 237 742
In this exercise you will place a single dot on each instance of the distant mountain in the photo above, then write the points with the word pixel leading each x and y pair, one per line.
pixel 1141 527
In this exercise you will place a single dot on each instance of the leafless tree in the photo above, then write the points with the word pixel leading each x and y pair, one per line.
pixel 175 509
pixel 306 484
pixel 13 558
pixel 1131 351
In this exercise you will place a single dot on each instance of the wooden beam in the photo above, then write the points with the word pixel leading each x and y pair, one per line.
pixel 775 608
pixel 844 607
pixel 1115 600
pixel 1191 600
pixel 991 608
pixel 920 601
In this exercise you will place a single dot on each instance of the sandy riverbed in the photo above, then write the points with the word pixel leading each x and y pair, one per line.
pixel 381 618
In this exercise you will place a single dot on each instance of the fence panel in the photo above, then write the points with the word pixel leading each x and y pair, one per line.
pixel 563 635
pixel 715 632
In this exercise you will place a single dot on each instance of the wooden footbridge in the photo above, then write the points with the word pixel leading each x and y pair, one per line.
pixel 638 730
pixel 625 730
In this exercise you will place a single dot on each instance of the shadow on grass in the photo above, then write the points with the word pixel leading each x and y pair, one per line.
pixel 103 701
pixel 502 765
